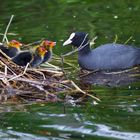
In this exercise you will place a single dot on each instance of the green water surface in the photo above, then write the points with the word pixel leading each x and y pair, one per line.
pixel 117 116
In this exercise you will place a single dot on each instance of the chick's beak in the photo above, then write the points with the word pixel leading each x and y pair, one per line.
pixel 20 44
pixel 52 44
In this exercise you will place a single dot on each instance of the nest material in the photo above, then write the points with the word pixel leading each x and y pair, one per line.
pixel 34 84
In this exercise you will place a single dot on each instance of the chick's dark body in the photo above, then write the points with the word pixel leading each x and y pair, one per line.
pixel 23 58
pixel 37 60
pixel 11 52
pixel 47 56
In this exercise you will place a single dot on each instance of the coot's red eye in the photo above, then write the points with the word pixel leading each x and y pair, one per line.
pixel 75 37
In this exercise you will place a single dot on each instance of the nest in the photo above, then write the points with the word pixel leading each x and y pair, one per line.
pixel 34 84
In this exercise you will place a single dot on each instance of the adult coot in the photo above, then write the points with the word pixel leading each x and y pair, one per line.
pixel 110 56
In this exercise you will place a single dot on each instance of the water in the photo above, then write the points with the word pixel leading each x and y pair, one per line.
pixel 117 116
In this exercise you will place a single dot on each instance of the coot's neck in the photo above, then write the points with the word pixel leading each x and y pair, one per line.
pixel 85 49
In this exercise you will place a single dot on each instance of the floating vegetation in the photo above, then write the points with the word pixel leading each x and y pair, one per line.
pixel 35 84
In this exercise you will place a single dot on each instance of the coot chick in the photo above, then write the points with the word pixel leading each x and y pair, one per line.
pixel 110 56
pixel 23 58
pixel 36 58
pixel 49 45
pixel 12 48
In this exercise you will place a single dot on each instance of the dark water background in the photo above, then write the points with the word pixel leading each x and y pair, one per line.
pixel 117 116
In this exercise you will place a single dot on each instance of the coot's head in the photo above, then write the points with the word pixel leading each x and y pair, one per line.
pixel 76 39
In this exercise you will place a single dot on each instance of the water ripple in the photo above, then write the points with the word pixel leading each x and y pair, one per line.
pixel 51 115
pixel 101 130
pixel 6 135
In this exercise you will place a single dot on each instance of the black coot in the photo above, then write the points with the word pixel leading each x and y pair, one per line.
pixel 110 56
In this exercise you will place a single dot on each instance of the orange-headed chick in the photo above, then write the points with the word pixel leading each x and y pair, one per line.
pixel 40 55
pixel 49 45
pixel 12 48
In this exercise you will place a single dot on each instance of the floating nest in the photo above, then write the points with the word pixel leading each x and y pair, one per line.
pixel 34 84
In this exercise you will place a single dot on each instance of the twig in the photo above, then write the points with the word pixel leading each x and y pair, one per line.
pixel 51 65
pixel 62 62
pixel 5 55
pixel 5 37
pixel 46 70
pixel 23 79
pixel 41 74
pixel 84 91
pixel 77 87
pixel 62 66
pixel 5 72
pixel 19 74
pixel 7 66
pixel 122 71
pixel 128 39
pixel 116 39
pixel 33 43
pixel 92 42
pixel 89 73
pixel 4 79
pixel 71 65
pixel 134 75
pixel 13 34
pixel 67 87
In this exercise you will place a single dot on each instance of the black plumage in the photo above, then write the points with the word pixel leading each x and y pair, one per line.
pixel 110 56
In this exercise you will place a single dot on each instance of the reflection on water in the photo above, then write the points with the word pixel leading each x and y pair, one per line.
pixel 84 128
pixel 104 121
pixel 101 130
pixel 5 135
pixel 73 126
pixel 112 79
